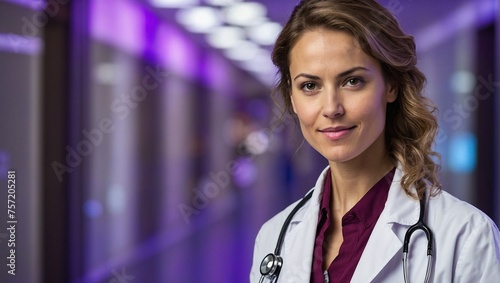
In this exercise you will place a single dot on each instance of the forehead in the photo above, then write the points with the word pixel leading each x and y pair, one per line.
pixel 321 49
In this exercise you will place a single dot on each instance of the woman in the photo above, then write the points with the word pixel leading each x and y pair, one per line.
pixel 348 73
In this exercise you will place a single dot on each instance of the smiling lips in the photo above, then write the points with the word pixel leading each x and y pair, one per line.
pixel 335 133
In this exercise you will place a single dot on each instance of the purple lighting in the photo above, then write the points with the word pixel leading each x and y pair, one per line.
pixel 118 23
pixel 133 29
pixel 20 44
pixel 475 13
pixel 92 208
pixel 176 51
pixel 33 4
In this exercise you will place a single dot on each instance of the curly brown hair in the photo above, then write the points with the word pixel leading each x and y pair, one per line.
pixel 410 122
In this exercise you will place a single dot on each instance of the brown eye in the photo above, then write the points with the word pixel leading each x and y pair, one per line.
pixel 354 81
pixel 308 86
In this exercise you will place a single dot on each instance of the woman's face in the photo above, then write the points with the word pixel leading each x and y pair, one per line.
pixel 339 95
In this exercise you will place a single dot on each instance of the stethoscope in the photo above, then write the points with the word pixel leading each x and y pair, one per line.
pixel 270 266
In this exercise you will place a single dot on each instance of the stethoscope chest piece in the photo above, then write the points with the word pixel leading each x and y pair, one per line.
pixel 271 265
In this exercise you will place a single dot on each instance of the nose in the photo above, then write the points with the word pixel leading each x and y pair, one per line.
pixel 332 107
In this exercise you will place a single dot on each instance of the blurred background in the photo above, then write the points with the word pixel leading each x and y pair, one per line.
pixel 147 147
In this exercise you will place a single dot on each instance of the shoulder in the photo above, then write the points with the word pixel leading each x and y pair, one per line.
pixel 272 227
pixel 445 208
pixel 267 238
pixel 465 237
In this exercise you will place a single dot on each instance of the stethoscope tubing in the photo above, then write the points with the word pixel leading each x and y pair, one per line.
pixel 281 237
pixel 420 225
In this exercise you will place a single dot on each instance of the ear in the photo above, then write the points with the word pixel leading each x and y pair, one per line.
pixel 392 93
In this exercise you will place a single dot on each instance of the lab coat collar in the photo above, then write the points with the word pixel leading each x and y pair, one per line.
pixel 398 208
pixel 384 243
pixel 299 243
pixel 312 208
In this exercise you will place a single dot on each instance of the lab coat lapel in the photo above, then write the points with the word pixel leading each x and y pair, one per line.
pixel 384 244
pixel 299 244
pixel 299 251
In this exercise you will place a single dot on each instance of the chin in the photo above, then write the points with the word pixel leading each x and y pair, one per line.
pixel 339 157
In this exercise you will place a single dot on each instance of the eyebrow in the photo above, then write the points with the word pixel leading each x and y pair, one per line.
pixel 341 75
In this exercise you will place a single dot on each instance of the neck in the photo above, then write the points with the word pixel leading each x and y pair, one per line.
pixel 351 180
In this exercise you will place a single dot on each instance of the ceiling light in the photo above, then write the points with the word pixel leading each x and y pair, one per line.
pixel 261 63
pixel 199 19
pixel 105 73
pixel 463 82
pixel 225 36
pixel 245 14
pixel 222 3
pixel 265 33
pixel 257 142
pixel 174 3
pixel 245 50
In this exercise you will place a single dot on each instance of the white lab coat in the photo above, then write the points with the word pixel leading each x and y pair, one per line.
pixel 466 241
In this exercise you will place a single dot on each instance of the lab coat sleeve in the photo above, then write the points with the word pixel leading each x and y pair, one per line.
pixel 266 239
pixel 479 260
pixel 265 243
pixel 255 272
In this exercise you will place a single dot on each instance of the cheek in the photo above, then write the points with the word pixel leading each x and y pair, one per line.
pixel 370 112
pixel 293 104
pixel 372 104
pixel 375 116
pixel 305 115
